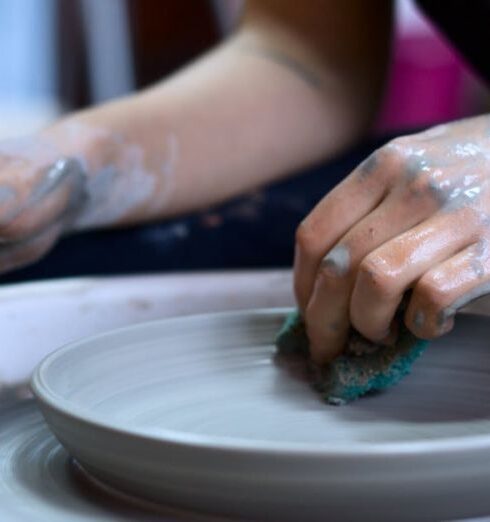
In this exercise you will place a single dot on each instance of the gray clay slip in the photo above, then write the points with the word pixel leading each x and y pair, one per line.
pixel 337 260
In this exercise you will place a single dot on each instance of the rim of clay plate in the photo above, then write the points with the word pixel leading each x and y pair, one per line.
pixel 42 391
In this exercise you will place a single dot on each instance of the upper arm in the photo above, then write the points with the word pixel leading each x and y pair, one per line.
pixel 342 42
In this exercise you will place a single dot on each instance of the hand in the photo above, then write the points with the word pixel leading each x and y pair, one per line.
pixel 415 215
pixel 41 191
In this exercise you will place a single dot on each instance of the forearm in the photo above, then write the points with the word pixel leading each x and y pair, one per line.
pixel 243 115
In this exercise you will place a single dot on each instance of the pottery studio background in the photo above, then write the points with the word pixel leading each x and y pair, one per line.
pixel 59 56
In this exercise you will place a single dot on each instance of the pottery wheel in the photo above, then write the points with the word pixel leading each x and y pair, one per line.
pixel 40 482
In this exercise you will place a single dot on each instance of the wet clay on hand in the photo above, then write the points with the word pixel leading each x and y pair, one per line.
pixel 41 195
pixel 72 177
pixel 415 216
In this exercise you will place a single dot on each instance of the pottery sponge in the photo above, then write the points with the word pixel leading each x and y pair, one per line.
pixel 363 367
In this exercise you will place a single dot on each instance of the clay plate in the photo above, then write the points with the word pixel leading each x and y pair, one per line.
pixel 198 413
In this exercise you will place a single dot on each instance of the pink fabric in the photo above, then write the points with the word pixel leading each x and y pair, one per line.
pixel 426 84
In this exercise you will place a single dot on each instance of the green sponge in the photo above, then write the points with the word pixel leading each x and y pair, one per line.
pixel 353 374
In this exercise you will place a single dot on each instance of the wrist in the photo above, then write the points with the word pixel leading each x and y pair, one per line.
pixel 93 147
pixel 117 184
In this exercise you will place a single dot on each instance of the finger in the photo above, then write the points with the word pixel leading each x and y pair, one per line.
pixel 25 252
pixel 441 291
pixel 327 313
pixel 386 273
pixel 56 190
pixel 9 203
pixel 334 215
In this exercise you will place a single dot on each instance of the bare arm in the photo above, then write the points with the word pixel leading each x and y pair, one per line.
pixel 291 86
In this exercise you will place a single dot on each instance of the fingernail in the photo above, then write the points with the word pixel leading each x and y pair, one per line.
pixel 447 326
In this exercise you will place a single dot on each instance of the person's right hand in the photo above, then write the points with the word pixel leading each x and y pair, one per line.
pixel 40 192
pixel 412 222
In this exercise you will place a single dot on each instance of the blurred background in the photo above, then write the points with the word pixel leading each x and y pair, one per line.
pixel 60 55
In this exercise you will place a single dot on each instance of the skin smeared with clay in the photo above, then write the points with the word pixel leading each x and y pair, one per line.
pixel 368 165
pixel 419 319
pixel 414 216
pixel 116 189
pixel 73 178
pixel 122 181
pixel 337 260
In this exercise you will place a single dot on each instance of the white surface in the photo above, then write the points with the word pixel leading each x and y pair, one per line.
pixel 196 413
pixel 28 51
pixel 110 57
pixel 39 483
pixel 25 117
pixel 28 84
pixel 37 318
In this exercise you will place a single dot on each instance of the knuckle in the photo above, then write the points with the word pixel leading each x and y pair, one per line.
pixel 369 165
pixel 374 274
pixel 337 262
pixel 392 156
pixel 306 238
pixel 418 186
pixel 431 295
pixel 399 145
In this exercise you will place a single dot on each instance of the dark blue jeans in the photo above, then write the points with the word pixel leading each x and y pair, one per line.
pixel 254 231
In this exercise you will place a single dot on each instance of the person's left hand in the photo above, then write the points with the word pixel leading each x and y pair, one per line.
pixel 414 215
